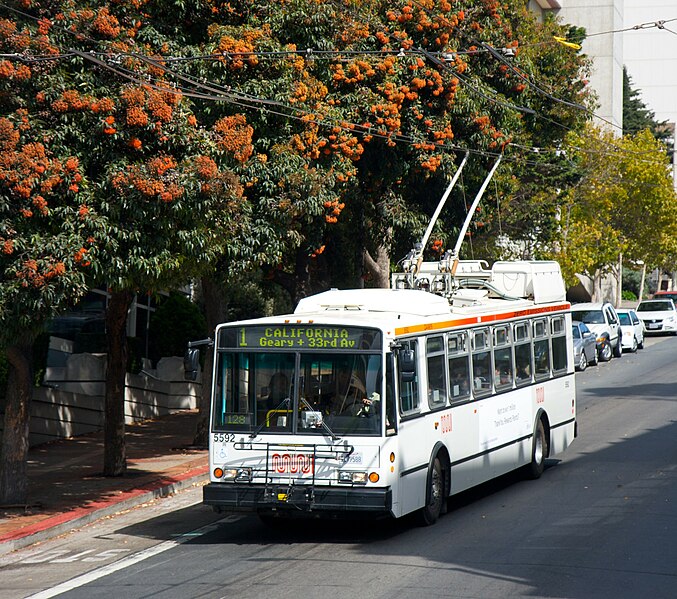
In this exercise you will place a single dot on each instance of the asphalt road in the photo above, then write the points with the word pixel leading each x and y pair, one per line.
pixel 601 522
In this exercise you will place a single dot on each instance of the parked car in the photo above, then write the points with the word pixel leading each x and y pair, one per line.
pixel 632 328
pixel 658 316
pixel 602 320
pixel 585 345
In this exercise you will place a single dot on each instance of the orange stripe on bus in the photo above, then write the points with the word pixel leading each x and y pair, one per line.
pixel 447 324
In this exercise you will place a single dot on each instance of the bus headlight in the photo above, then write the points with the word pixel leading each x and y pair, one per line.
pixel 353 478
pixel 241 475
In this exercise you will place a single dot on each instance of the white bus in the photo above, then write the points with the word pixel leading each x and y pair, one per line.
pixel 385 402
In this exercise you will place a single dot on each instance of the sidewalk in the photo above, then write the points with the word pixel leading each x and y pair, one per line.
pixel 66 488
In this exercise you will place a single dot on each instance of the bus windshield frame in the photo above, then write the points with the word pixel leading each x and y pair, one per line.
pixel 298 380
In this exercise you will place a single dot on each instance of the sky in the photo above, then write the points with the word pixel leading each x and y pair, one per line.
pixel 650 54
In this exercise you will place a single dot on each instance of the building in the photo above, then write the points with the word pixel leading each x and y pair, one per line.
pixel 603 21
pixel 650 56
pixel 540 7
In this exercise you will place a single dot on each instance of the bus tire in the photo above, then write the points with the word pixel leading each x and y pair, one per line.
pixel 538 452
pixel 435 498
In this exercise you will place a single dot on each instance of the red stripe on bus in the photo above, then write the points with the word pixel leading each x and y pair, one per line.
pixel 433 326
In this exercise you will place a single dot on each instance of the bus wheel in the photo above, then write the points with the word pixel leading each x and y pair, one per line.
pixel 434 496
pixel 538 451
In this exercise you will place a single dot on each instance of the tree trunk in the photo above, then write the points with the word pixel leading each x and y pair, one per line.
pixel 114 454
pixel 301 280
pixel 641 284
pixel 619 281
pixel 298 283
pixel 596 287
pixel 215 313
pixel 13 477
pixel 378 268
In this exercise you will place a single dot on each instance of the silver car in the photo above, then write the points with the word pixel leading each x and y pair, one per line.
pixel 585 345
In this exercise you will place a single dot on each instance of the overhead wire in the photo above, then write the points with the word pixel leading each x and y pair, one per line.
pixel 246 101
pixel 499 56
pixel 252 102
pixel 492 51
pixel 648 25
pixel 240 98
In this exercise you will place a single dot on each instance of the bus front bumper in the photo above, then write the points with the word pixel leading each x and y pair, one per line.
pixel 300 498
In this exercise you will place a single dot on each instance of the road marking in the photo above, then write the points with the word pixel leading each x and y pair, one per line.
pixel 55 556
pixel 79 581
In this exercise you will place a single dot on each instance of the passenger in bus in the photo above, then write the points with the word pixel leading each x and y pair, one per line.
pixel 481 376
pixel 523 372
pixel 436 390
pixel 459 383
pixel 502 377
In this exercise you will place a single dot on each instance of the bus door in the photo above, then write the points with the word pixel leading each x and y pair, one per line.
pixel 414 450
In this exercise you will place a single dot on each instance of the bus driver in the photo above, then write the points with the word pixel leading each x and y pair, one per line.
pixel 349 396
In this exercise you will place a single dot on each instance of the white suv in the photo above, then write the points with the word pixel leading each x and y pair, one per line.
pixel 602 320
pixel 659 315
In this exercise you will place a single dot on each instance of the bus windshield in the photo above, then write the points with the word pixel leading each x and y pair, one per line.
pixel 298 392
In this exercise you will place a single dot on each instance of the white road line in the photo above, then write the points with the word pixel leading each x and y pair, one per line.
pixel 79 581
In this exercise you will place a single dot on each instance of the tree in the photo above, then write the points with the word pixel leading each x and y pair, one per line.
pixel 623 204
pixel 374 103
pixel 161 205
pixel 47 248
pixel 309 139
pixel 648 220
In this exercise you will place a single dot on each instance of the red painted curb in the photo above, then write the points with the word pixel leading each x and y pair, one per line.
pixel 94 506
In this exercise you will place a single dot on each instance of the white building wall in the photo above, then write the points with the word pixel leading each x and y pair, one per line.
pixel 651 56
pixel 606 50
pixel 541 6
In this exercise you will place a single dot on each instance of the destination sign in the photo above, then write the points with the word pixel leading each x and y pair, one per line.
pixel 289 336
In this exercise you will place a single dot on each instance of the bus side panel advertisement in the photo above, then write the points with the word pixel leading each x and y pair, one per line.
pixel 501 423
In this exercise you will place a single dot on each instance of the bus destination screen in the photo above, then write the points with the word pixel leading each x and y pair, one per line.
pixel 300 337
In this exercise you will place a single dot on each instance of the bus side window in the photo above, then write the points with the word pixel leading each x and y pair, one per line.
pixel 523 369
pixel 437 372
pixel 390 405
pixel 541 350
pixel 459 366
pixel 502 358
pixel 409 400
pixel 481 363
pixel 559 344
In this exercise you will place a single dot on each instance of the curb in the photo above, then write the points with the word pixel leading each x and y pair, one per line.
pixel 79 517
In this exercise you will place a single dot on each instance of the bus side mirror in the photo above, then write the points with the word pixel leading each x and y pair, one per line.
pixel 407 363
pixel 191 363
pixel 406 376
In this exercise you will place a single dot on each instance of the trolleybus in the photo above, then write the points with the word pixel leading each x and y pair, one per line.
pixel 388 401
pixel 385 402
